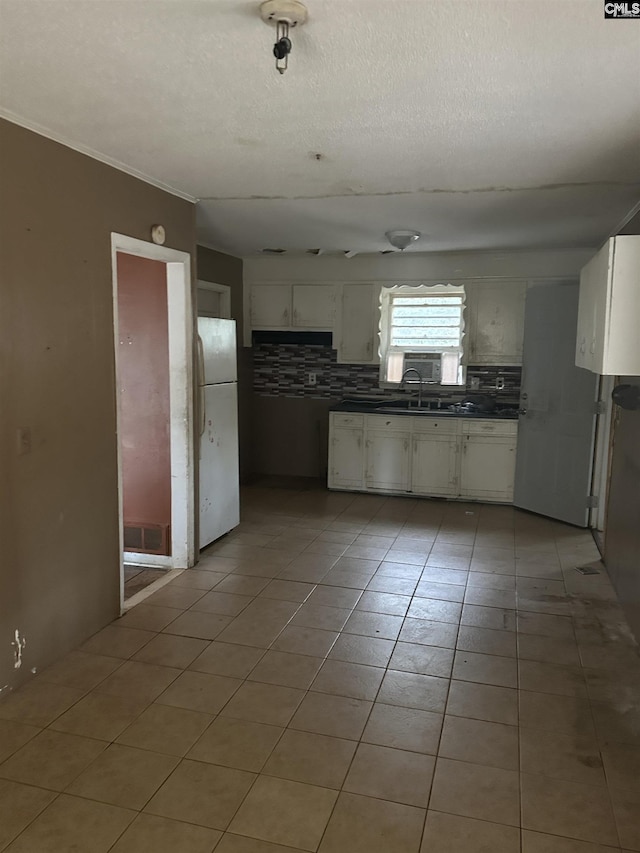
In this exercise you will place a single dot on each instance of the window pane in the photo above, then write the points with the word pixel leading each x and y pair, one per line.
pixel 426 321
pixel 427 311
pixel 433 321
pixel 427 300
pixel 433 344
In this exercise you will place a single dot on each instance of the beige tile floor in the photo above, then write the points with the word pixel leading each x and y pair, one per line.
pixel 343 674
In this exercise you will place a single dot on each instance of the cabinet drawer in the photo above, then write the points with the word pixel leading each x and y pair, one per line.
pixel 486 427
pixel 435 425
pixel 389 422
pixel 347 420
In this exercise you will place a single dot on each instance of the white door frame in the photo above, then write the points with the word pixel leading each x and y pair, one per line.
pixel 180 325
pixel 225 296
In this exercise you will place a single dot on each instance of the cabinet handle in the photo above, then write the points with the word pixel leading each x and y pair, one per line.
pixel 369 347
pixel 285 317
pixel 592 348
pixel 295 317
pixel 405 444
pixel 359 441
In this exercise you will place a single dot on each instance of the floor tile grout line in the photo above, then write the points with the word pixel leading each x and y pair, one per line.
pixel 395 643
pixel 444 716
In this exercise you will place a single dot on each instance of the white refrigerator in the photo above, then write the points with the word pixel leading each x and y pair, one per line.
pixel 218 409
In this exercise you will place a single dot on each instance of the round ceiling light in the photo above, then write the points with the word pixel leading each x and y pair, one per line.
pixel 401 239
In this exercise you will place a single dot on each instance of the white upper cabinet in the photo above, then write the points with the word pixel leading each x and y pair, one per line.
pixel 608 338
pixel 494 322
pixel 359 324
pixel 271 306
pixel 297 306
pixel 313 306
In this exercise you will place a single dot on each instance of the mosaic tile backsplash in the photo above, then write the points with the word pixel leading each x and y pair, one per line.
pixel 282 370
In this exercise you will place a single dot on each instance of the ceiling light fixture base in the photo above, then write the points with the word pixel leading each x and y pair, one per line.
pixel 293 12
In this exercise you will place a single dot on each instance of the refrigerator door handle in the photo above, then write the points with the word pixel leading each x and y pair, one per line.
pixel 200 361
pixel 202 411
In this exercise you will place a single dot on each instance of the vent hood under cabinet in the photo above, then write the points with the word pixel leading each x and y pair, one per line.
pixel 608 335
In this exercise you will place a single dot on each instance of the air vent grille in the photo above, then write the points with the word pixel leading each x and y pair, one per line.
pixel 146 538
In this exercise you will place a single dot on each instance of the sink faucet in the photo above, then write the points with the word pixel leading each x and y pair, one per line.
pixel 417 373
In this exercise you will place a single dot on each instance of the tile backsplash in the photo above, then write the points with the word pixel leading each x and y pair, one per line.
pixel 282 370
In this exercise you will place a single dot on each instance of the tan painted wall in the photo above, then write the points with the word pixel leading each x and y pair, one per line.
pixel 58 503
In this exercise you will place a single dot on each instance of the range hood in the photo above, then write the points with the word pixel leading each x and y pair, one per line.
pixel 293 337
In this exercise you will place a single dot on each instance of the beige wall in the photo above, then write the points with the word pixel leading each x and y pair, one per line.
pixel 291 436
pixel 58 503
pixel 224 269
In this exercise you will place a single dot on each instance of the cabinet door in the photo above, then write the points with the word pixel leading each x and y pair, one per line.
pixel 359 324
pixel 387 460
pixel 620 337
pixel 346 458
pixel 494 320
pixel 313 306
pixel 270 306
pixel 592 307
pixel 487 467
pixel 434 465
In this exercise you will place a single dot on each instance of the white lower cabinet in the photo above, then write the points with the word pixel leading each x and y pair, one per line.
pixel 434 468
pixel 346 452
pixel 488 460
pixel 456 458
pixel 387 466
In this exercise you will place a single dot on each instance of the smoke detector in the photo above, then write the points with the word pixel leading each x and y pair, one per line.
pixel 402 239
pixel 284 15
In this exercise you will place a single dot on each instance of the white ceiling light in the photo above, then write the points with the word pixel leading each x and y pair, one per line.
pixel 402 239
pixel 284 15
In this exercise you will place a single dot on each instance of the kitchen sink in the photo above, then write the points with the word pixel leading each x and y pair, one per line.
pixel 414 410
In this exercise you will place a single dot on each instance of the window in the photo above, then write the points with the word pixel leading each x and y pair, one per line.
pixel 422 330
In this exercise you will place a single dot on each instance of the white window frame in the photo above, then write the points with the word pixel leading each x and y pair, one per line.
pixel 417 289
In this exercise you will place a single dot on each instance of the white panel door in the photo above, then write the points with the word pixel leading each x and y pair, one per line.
pixel 313 306
pixel 219 475
pixel 359 321
pixel 433 471
pixel 346 458
pixel 270 306
pixel 487 467
pixel 218 355
pixel 495 322
pixel 555 435
pixel 387 460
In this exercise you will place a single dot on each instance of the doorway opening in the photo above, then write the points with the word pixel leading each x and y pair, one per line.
pixel 153 336
pixel 213 300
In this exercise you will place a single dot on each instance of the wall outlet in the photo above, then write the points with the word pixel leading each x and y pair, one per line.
pixel 500 383
pixel 474 383
pixel 313 378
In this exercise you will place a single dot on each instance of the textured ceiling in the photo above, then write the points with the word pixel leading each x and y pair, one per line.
pixel 483 123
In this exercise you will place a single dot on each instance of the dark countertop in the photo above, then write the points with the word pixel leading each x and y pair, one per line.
pixel 400 407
